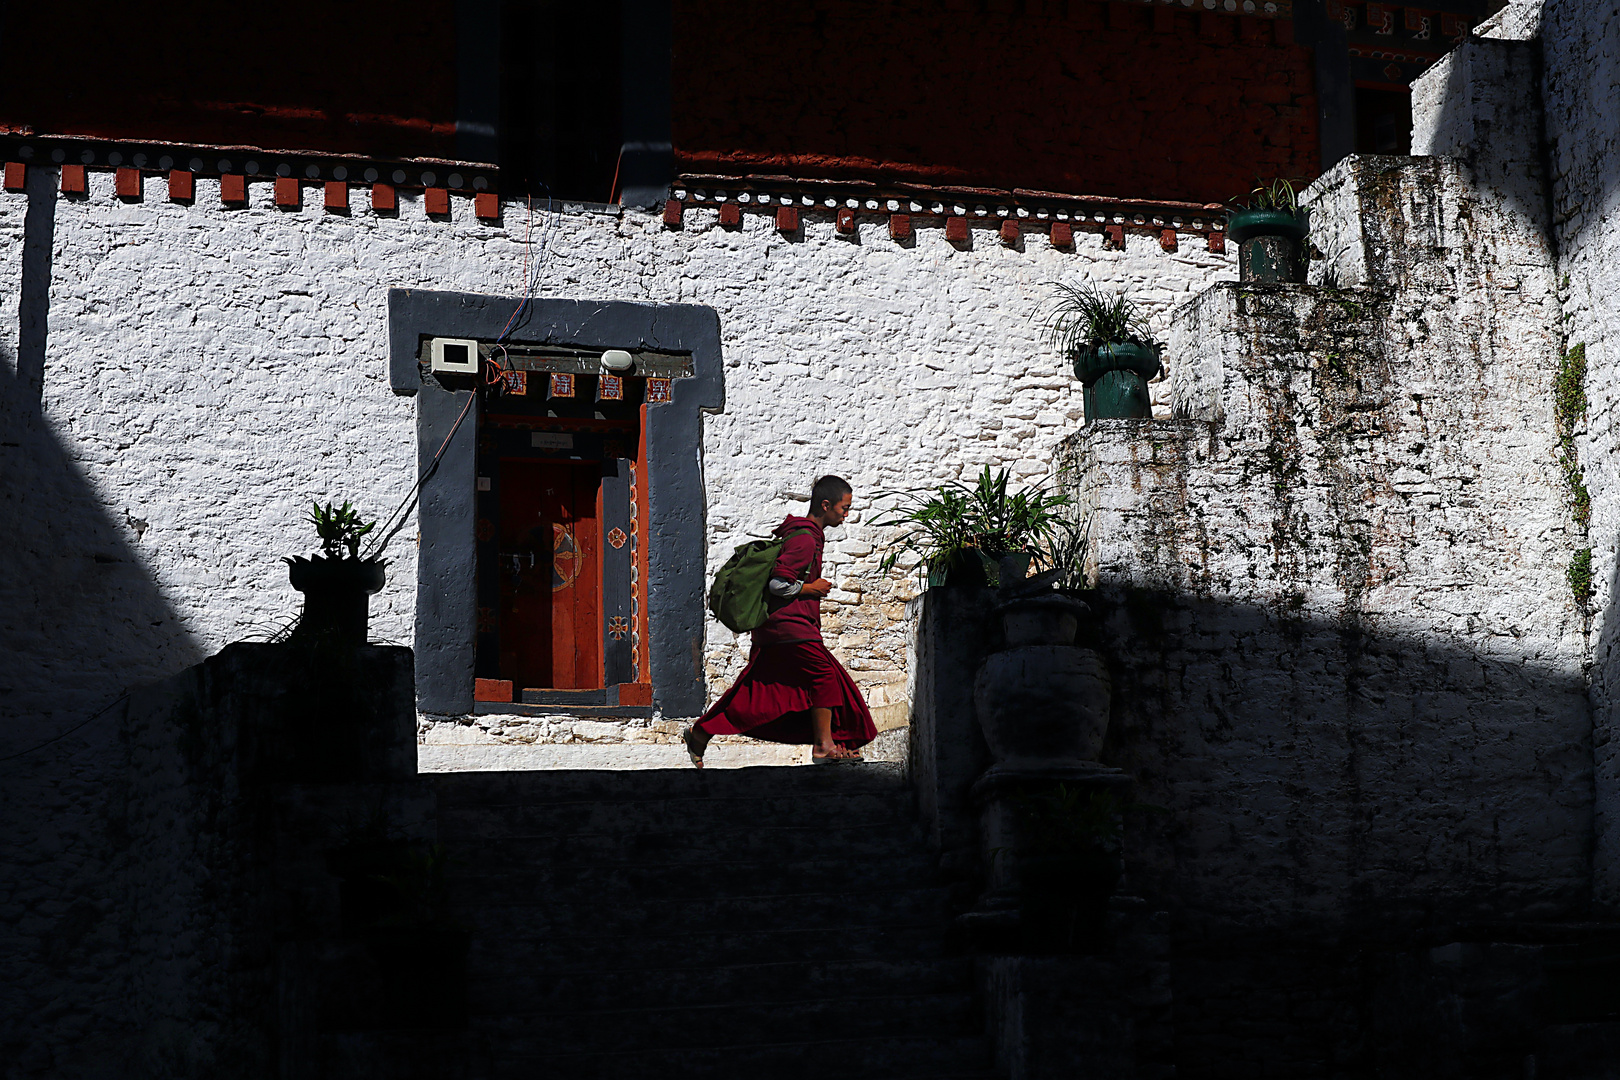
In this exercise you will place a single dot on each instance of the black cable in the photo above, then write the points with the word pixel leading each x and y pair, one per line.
pixel 69 731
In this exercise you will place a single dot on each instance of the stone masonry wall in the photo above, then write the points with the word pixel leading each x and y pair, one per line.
pixel 1332 593
pixel 1580 70
pixel 210 371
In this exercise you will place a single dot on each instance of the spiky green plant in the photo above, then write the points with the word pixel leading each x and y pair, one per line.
pixel 985 517
pixel 1275 194
pixel 1083 317
pixel 339 527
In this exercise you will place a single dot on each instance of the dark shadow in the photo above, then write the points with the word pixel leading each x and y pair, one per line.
pixel 1338 799
pixel 83 620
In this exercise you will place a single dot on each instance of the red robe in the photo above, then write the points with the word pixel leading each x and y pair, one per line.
pixel 789 669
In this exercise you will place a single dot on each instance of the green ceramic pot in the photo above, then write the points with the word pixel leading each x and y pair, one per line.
pixel 1271 244
pixel 1115 378
pixel 1244 225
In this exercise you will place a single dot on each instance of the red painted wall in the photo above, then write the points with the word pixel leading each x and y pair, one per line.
pixel 1073 96
pixel 359 77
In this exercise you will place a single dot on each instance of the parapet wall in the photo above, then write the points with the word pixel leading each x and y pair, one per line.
pixel 1333 595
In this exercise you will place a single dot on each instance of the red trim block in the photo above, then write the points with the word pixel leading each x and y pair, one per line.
pixel 846 221
pixel 383 198
pixel 1114 237
pixel 436 200
pixel 899 226
pixel 233 189
pixel 16 175
pixel 1009 232
pixel 337 196
pixel 127 183
pixel 635 695
pixel 956 230
pixel 492 690
pixel 730 215
pixel 487 206
pixel 73 180
pixel 289 194
pixel 1062 234
pixel 787 219
pixel 1167 240
pixel 182 185
pixel 1217 243
pixel 673 209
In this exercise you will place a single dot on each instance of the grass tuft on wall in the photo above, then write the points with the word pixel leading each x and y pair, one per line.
pixel 1580 574
pixel 1569 408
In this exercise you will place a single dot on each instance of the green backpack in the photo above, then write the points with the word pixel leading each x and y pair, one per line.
pixel 738 596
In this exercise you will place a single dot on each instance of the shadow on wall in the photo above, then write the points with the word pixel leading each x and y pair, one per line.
pixel 82 620
pixel 1341 799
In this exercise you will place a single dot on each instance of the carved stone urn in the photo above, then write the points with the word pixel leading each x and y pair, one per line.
pixel 1042 701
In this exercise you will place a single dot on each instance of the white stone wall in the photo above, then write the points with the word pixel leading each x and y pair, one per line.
pixel 1332 591
pixel 1580 41
pixel 212 371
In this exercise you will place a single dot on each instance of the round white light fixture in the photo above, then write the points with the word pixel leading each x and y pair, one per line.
pixel 618 360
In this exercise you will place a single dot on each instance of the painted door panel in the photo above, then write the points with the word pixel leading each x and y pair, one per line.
pixel 550 562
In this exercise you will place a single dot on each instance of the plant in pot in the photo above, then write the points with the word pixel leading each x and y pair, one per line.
pixel 1114 354
pixel 1270 231
pixel 961 532
pixel 337 583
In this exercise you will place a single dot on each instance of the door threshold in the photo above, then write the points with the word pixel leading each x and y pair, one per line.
pixel 584 712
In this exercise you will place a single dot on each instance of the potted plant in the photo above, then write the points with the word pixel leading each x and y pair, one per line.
pixel 1113 353
pixel 961 532
pixel 336 583
pixel 1270 234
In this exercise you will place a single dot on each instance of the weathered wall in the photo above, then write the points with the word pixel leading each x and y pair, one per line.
pixel 1580 47
pixel 210 371
pixel 1160 102
pixel 1334 602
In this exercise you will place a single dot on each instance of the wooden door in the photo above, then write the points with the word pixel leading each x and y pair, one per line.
pixel 551 574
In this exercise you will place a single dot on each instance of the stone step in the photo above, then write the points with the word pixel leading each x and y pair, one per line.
pixel 480 757
pixel 641 987
pixel 883 840
pixel 882 1058
pixel 524 788
pixel 623 919
pixel 484 878
pixel 738 1024
pixel 519 949
pixel 697 812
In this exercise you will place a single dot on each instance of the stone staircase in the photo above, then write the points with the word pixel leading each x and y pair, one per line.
pixel 776 922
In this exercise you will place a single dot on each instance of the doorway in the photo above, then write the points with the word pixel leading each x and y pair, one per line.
pixel 560 617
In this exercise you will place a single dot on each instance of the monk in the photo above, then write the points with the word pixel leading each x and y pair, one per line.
pixel 793 690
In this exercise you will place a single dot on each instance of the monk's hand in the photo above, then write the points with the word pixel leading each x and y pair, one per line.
pixel 817 588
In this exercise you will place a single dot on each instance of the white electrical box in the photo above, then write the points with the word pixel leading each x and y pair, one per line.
pixel 454 356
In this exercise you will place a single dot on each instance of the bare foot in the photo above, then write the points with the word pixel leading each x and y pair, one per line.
pixel 696 742
pixel 834 753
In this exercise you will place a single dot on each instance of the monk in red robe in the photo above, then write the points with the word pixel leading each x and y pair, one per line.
pixel 793 690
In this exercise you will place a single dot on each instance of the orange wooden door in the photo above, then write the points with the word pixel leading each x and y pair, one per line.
pixel 551 574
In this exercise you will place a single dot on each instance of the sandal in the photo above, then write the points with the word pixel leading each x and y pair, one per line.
pixel 694 749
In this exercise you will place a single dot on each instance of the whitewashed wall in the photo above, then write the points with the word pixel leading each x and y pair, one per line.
pixel 1580 41
pixel 211 371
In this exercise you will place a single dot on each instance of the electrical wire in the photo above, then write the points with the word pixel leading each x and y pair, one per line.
pixel 69 731
pixel 531 284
